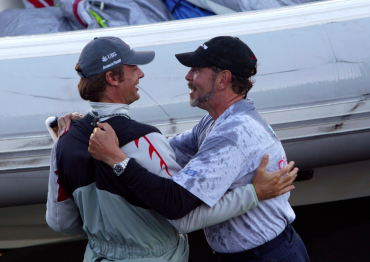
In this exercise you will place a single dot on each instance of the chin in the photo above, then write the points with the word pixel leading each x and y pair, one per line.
pixel 194 103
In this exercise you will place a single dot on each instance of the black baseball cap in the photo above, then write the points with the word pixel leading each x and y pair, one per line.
pixel 225 52
pixel 105 53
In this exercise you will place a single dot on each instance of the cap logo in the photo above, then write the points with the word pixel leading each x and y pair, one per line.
pixel 107 57
pixel 112 64
pixel 204 46
pixel 253 57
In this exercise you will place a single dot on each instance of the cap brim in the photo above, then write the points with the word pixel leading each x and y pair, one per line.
pixel 140 58
pixel 191 59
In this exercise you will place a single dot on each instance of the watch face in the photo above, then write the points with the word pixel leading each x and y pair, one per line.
pixel 118 169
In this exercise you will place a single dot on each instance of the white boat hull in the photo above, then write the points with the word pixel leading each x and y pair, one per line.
pixel 312 86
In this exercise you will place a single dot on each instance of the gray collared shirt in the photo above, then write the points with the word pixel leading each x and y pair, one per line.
pixel 220 155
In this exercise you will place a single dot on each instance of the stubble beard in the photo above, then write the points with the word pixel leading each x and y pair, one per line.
pixel 198 101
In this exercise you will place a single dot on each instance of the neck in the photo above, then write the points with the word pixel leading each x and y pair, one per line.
pixel 219 105
pixel 111 95
pixel 109 98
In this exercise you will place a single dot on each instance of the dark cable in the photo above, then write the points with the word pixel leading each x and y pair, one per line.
pixel 175 6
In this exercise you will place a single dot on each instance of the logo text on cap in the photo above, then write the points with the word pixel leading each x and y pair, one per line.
pixel 204 46
pixel 112 64
pixel 107 57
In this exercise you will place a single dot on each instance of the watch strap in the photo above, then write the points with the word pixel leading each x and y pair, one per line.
pixel 119 168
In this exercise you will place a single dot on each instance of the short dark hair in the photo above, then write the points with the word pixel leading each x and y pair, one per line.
pixel 92 88
pixel 240 85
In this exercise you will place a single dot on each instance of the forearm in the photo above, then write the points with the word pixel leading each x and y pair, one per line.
pixel 232 204
pixel 162 195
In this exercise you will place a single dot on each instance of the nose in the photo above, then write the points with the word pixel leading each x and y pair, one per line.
pixel 140 73
pixel 189 75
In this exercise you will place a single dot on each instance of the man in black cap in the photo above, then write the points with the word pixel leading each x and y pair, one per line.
pixel 222 152
pixel 88 197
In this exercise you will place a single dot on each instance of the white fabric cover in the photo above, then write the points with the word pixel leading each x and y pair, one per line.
pixel 76 15
pixel 31 21
pixel 114 12
pixel 244 5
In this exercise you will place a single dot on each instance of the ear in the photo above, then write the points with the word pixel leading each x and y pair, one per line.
pixel 223 79
pixel 112 80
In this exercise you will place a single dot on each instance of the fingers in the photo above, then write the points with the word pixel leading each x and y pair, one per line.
pixel 270 185
pixel 76 116
pixel 68 121
pixel 94 140
pixel 104 146
pixel 68 126
pixel 100 125
pixel 96 129
pixel 289 178
pixel 287 168
pixel 286 190
pixel 101 133
pixel 64 122
pixel 96 135
pixel 111 134
pixel 264 162
pixel 105 126
pixel 294 171
pixel 92 146
pixel 62 125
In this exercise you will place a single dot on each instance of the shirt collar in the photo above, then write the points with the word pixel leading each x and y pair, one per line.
pixel 241 106
pixel 108 108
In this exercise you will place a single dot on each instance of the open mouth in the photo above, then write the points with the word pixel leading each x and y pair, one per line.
pixel 192 88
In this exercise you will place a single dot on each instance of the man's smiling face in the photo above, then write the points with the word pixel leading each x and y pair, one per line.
pixel 128 87
pixel 201 86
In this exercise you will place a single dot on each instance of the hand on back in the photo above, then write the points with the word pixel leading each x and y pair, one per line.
pixel 64 122
pixel 104 145
pixel 269 185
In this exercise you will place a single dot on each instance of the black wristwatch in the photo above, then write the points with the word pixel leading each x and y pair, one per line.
pixel 120 167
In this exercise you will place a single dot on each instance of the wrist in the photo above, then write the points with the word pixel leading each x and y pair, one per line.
pixel 116 158
pixel 257 192
pixel 119 168
pixel 257 198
